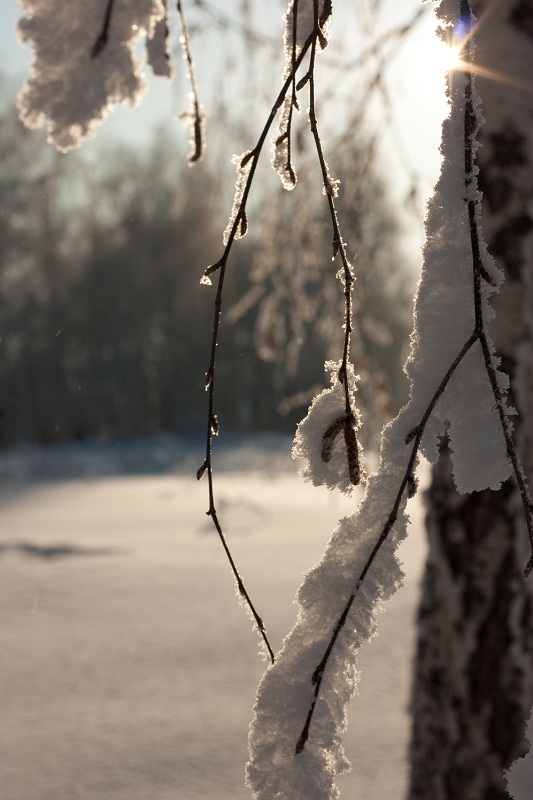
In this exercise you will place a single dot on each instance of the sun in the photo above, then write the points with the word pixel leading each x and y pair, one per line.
pixel 447 57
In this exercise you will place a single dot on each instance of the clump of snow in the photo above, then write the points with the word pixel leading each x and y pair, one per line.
pixel 520 776
pixel 321 437
pixel 479 453
pixel 68 90
pixel 445 319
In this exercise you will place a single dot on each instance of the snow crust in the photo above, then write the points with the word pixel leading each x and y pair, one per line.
pixel 69 91
pixel 444 323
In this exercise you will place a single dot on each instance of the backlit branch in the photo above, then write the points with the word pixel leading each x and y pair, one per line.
pixel 250 161
pixel 195 112
pixel 478 335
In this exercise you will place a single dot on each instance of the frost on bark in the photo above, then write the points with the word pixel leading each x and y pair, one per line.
pixel 473 677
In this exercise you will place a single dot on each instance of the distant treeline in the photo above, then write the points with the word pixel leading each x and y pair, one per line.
pixel 104 327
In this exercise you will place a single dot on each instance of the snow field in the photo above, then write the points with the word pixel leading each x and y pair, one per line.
pixel 128 670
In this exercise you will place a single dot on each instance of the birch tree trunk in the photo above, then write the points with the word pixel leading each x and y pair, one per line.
pixel 473 672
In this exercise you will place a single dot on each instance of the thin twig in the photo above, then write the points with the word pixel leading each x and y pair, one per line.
pixel 294 102
pixel 480 274
pixel 339 246
pixel 198 139
pixel 103 36
pixel 212 421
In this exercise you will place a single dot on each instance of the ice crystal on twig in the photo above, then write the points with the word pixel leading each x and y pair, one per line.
pixel 237 219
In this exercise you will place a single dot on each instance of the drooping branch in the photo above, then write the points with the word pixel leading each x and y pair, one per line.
pixel 406 486
pixel 246 166
pixel 479 273
pixel 195 112
pixel 249 162
pixel 338 245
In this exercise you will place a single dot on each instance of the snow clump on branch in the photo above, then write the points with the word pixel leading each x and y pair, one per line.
pixel 324 440
pixel 69 90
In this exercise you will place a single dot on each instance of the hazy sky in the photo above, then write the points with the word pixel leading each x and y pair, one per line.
pixel 415 71
pixel 414 80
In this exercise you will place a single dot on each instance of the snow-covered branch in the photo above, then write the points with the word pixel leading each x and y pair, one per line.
pixel 295 745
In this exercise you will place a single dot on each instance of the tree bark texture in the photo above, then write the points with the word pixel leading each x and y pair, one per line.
pixel 473 673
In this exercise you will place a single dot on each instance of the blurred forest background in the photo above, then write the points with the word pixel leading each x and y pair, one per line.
pixel 104 327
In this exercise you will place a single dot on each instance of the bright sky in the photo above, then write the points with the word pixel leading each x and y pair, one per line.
pixel 415 81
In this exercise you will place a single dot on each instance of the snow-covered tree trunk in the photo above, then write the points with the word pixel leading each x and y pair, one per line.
pixel 473 677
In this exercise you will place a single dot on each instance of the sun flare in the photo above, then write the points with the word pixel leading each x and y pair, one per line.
pixel 447 57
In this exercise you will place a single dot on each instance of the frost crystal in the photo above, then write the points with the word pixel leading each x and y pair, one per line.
pixel 281 161
pixel 194 117
pixel 243 164
pixel 67 89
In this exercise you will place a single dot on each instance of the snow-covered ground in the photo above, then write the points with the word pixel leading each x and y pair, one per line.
pixel 127 667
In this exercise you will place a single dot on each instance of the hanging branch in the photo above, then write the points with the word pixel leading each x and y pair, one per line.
pixel 294 100
pixel 250 160
pixel 407 484
pixel 339 248
pixel 196 112
pixel 480 274
pixel 236 229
